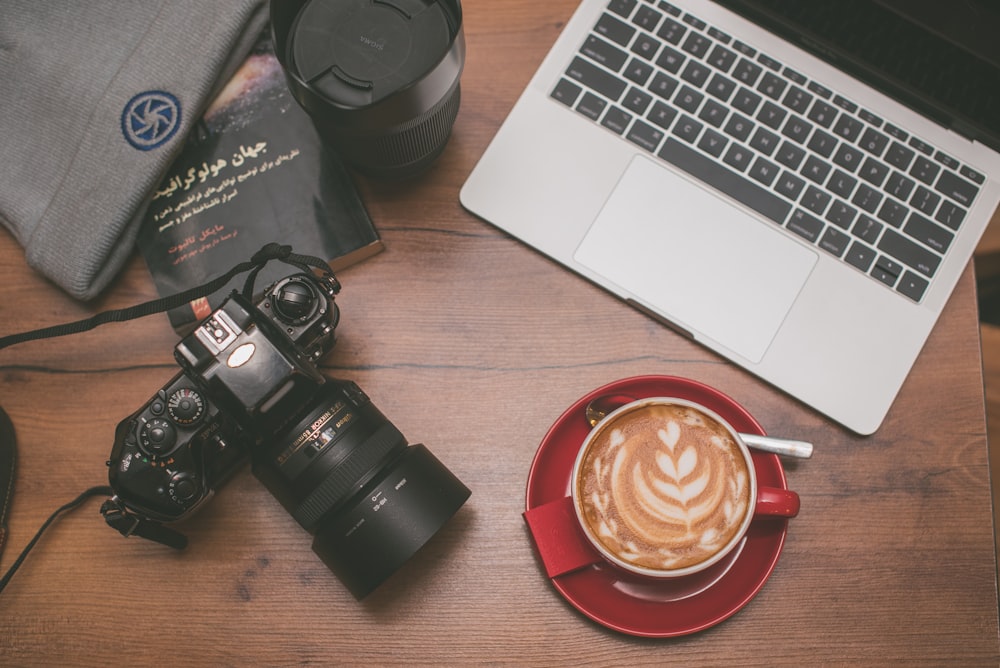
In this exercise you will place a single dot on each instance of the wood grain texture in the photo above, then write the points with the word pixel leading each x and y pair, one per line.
pixel 474 344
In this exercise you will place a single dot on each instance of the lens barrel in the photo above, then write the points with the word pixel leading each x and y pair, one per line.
pixel 379 78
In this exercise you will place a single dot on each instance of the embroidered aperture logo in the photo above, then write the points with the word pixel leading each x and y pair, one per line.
pixel 150 119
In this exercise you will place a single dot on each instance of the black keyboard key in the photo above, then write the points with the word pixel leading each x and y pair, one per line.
pixel 972 175
pixel 899 186
pixel 899 156
pixel 834 241
pixel 671 60
pixel 645 135
pixel 912 286
pixel 739 127
pixel 925 201
pixel 719 36
pixel 591 106
pixel 867 229
pixel 950 215
pixel 745 49
pixel 566 92
pixel 897 132
pixel 797 99
pixel 860 256
pixel 845 104
pixel 870 118
pixel 797 129
pixel 816 200
pixel 867 198
pixel 769 62
pixel 746 101
pixel 841 214
pixel 595 78
pixel 746 72
pixel 790 155
pixel 645 46
pixel 688 129
pixel 954 186
pixel 647 18
pixel 689 99
pixel 887 270
pixel 738 157
pixel 713 143
pixel 721 87
pixel 842 183
pixel 822 113
pixel 909 252
pixel 764 171
pixel 921 146
pixel 873 141
pixel 771 115
pixel 848 127
pixel 924 170
pixel 662 115
pixel 764 141
pixel 692 20
pixel 622 7
pixel 605 53
pixel 816 170
pixel 721 58
pixel 848 157
pixel 638 71
pixel 873 171
pixel 820 90
pixel 928 233
pixel 892 212
pixel 697 44
pixel 790 185
pixel 663 85
pixel 672 31
pixel 735 185
pixel 637 101
pixel 616 120
pixel 669 8
pixel 946 160
pixel 794 76
pixel 805 225
pixel 772 85
pixel 713 113
pixel 822 143
pixel 614 29
pixel 696 73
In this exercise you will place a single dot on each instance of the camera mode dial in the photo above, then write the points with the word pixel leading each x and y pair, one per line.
pixel 183 487
pixel 157 437
pixel 294 301
pixel 185 406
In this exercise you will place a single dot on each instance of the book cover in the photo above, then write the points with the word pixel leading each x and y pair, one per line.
pixel 252 171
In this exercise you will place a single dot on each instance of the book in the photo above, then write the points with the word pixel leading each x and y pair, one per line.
pixel 253 170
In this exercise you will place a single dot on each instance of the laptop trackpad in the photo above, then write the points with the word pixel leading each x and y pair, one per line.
pixel 701 262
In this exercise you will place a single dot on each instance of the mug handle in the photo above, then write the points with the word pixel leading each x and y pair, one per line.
pixel 776 502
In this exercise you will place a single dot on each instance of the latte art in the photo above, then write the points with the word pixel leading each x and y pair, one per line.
pixel 664 487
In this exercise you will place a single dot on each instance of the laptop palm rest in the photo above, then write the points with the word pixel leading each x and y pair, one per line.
pixel 701 262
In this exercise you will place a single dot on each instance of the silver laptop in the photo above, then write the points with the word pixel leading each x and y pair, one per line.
pixel 771 204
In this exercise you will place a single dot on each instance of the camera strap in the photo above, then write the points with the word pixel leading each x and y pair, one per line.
pixel 116 516
pixel 271 251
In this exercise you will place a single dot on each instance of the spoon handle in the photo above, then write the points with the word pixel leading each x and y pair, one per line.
pixel 780 446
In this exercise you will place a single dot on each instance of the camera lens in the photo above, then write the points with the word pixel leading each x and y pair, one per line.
pixel 380 79
pixel 348 476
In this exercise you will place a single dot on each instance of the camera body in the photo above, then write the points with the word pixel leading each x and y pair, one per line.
pixel 250 388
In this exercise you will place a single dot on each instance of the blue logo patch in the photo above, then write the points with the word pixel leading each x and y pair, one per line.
pixel 150 119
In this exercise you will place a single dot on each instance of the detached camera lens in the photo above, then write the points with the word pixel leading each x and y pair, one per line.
pixel 379 78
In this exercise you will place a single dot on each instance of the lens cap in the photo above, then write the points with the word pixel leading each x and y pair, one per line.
pixel 359 52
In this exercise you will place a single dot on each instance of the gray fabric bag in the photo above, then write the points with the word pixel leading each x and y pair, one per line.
pixel 96 99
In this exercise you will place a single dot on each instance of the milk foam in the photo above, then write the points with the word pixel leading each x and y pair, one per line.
pixel 664 487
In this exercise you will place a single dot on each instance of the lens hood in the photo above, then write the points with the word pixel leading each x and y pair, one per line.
pixel 379 78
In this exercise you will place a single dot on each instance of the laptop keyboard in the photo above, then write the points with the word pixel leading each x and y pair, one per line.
pixel 807 158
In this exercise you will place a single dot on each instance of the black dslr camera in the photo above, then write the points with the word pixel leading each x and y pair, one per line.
pixel 250 388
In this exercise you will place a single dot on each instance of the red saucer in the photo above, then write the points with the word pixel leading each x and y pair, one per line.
pixel 659 609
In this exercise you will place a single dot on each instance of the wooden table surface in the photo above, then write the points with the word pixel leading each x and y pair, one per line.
pixel 474 344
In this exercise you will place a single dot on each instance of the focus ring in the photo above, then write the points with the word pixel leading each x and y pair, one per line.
pixel 347 474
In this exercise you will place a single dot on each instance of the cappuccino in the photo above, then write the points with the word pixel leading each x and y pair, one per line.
pixel 663 487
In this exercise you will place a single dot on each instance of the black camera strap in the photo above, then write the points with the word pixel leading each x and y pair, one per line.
pixel 271 251
pixel 116 516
